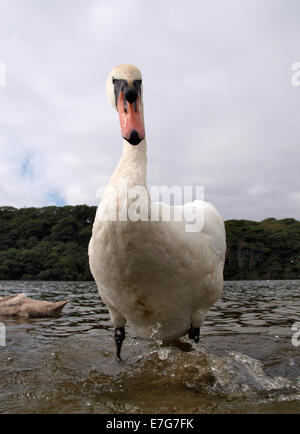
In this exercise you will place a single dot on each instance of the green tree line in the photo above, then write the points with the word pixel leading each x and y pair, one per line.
pixel 51 243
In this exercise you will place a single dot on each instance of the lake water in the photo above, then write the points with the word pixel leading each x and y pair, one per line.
pixel 245 363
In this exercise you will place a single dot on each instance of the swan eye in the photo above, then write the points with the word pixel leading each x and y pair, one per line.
pixel 119 84
pixel 137 83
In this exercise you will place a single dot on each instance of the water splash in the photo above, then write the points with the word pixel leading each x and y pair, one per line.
pixel 232 375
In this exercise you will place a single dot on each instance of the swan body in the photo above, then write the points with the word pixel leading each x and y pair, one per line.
pixel 22 306
pixel 156 275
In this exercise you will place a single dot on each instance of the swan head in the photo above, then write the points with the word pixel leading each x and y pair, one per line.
pixel 124 91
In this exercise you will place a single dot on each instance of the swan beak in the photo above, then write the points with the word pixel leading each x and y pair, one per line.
pixel 131 118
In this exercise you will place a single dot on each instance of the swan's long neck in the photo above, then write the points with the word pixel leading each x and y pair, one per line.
pixel 132 165
pixel 128 179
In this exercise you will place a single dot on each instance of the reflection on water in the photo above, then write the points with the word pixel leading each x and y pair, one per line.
pixel 245 362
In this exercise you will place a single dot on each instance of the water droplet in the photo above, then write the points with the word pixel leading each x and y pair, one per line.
pixel 163 353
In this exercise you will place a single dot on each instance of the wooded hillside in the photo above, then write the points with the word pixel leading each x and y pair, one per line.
pixel 51 244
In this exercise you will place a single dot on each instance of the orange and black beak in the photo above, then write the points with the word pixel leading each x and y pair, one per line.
pixel 128 102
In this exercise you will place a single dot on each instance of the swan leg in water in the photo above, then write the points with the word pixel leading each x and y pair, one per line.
pixel 119 338
pixel 194 333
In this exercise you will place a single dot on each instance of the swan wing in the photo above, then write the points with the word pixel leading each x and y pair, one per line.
pixel 196 221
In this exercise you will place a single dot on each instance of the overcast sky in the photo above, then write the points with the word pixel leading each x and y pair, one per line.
pixel 220 109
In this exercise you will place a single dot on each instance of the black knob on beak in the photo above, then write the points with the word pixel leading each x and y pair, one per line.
pixel 130 94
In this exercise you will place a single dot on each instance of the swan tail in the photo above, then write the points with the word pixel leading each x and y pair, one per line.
pixel 58 306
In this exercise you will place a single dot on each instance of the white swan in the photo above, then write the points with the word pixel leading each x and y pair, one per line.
pixel 20 305
pixel 155 274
